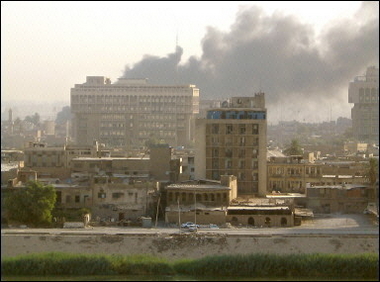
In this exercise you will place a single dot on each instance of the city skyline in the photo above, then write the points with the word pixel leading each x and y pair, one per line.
pixel 305 80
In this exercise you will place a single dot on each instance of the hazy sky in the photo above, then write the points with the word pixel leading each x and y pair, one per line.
pixel 300 54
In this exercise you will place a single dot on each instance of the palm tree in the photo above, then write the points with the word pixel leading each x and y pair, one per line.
pixel 293 149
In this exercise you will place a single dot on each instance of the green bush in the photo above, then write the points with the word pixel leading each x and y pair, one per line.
pixel 359 266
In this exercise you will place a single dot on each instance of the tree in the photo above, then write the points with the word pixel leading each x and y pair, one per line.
pixel 293 149
pixel 63 115
pixel 372 174
pixel 35 119
pixel 31 205
pixel 371 171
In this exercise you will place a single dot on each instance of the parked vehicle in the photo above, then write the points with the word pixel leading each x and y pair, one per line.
pixel 189 224
pixel 193 228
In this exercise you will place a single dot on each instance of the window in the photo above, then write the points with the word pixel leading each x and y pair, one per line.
pixel 255 176
pixel 241 164
pixel 101 195
pixel 228 153
pixel 255 129
pixel 229 129
pixel 254 153
pixel 255 164
pixel 228 164
pixel 215 152
pixel 215 163
pixel 241 175
pixel 267 221
pixel 77 198
pixel 242 129
pixel 117 195
pixel 241 153
pixel 215 128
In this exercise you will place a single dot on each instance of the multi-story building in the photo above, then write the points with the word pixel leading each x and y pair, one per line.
pixel 363 92
pixel 158 166
pixel 131 112
pixel 55 161
pixel 231 140
pixel 293 174
pixel 290 174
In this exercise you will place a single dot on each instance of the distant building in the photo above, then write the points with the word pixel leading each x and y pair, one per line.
pixel 355 147
pixel 231 140
pixel 131 112
pixel 56 161
pixel 363 92
pixel 339 198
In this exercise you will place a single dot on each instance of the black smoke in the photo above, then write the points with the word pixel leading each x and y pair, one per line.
pixel 304 76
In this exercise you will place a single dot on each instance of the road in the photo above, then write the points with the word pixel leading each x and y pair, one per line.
pixel 353 224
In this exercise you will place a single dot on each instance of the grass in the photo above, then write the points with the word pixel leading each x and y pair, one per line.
pixel 360 266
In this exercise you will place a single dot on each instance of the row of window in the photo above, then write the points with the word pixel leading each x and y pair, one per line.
pixel 294 171
pixel 236 115
pixel 241 164
pixel 232 129
pixel 123 108
pixel 84 87
pixel 241 175
pixel 130 99
pixel 200 197
pixel 228 153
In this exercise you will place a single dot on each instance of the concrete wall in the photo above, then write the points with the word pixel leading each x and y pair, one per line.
pixel 186 245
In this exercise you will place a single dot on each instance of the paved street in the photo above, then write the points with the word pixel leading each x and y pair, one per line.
pixel 320 224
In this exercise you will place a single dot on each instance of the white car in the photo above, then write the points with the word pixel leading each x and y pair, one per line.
pixel 189 224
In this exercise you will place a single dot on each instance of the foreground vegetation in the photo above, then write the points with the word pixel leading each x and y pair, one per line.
pixel 360 266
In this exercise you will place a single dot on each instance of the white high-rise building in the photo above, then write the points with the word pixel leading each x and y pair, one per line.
pixel 131 112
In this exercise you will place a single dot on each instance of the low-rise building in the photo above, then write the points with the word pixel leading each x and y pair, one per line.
pixel 200 201
pixel 339 198
pixel 260 216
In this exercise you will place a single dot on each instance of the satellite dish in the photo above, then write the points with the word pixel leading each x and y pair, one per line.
pixel 224 104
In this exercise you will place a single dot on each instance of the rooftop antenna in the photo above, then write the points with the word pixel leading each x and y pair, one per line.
pixel 176 55
pixel 260 85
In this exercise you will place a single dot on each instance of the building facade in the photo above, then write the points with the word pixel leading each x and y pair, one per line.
pixel 339 198
pixel 231 140
pixel 56 161
pixel 363 92
pixel 290 174
pixel 200 201
pixel 131 112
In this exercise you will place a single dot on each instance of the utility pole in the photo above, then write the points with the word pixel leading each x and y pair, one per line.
pixel 158 204
pixel 179 216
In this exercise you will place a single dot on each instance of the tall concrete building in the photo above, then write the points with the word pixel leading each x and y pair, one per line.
pixel 363 92
pixel 130 112
pixel 231 140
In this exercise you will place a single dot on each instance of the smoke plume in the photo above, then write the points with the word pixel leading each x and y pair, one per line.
pixel 304 76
